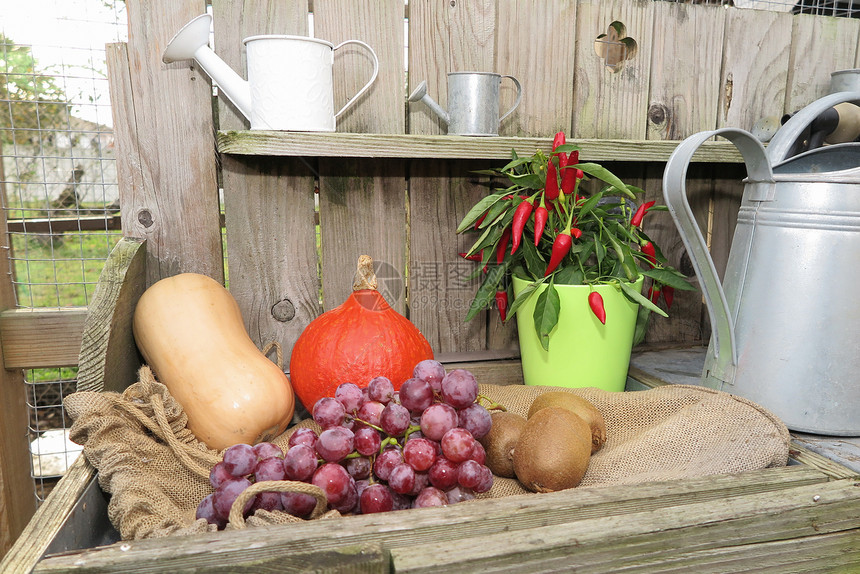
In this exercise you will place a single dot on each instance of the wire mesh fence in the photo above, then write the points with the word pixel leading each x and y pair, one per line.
pixel 58 184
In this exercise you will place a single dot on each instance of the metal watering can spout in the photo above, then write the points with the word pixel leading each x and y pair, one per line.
pixel 419 94
pixel 192 42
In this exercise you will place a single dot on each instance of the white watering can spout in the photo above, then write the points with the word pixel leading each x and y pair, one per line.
pixel 192 42
pixel 419 94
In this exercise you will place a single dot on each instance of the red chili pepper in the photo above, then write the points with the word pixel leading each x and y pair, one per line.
pixel 551 181
pixel 521 215
pixel 636 220
pixel 560 248
pixel 481 220
pixel 558 140
pixel 503 245
pixel 668 295
pixel 577 233
pixel 595 301
pixel 502 304
pixel 650 252
pixel 654 293
pixel 474 257
pixel 541 215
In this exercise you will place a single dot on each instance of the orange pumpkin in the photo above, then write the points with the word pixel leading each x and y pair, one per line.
pixel 360 339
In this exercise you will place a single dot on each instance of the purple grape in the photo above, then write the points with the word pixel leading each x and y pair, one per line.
pixel 206 509
pixel 270 469
pixel 430 496
pixel 328 413
pixel 300 462
pixel 401 501
pixel 459 388
pixel 350 501
pixel 350 396
pixel 367 441
pixel 386 461
pixel 419 453
pixel 443 474
pixel 479 454
pixel 402 478
pixel 476 419
pixel 416 395
pixel 298 503
pixel 334 444
pixel 376 498
pixel 370 413
pixel 266 450
pixel 335 482
pixel 380 389
pixel 267 501
pixel 457 444
pixel 227 493
pixel 472 475
pixel 459 494
pixel 358 467
pixel 219 474
pixel 431 371
pixel 394 419
pixel 422 481
pixel 303 435
pixel 438 419
pixel 240 460
pixel 486 480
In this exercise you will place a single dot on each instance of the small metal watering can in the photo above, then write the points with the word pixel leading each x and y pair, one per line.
pixel 290 85
pixel 473 102
pixel 786 320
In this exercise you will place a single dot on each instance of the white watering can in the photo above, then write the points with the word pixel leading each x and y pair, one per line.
pixel 289 84
pixel 786 319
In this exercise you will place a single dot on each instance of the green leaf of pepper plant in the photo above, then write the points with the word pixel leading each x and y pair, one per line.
pixel 546 314
pixel 487 291
pixel 638 297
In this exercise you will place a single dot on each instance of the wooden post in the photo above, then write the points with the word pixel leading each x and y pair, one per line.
pixel 17 498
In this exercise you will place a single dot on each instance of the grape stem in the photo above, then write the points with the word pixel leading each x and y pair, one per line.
pixel 493 406
pixel 370 425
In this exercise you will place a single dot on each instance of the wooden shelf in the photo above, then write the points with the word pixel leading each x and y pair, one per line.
pixel 278 143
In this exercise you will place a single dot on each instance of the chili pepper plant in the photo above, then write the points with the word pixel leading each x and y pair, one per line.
pixel 542 227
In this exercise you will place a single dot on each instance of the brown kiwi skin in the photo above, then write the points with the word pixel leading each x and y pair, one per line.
pixel 578 405
pixel 500 441
pixel 553 450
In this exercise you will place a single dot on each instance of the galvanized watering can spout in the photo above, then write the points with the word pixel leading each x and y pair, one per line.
pixel 784 320
pixel 419 94
pixel 192 42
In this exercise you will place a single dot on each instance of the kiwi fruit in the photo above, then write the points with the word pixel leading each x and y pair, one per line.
pixel 500 441
pixel 577 405
pixel 553 450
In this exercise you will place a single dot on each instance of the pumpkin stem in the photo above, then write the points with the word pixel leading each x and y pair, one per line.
pixel 365 278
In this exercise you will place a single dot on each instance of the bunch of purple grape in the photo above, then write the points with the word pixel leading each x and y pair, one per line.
pixel 378 450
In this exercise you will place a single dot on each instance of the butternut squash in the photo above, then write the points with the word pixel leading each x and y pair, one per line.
pixel 190 332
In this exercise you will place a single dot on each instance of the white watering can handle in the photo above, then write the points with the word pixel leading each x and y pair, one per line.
pixel 675 195
pixel 519 97
pixel 354 99
pixel 784 139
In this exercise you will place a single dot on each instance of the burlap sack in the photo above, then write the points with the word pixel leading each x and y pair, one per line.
pixel 157 472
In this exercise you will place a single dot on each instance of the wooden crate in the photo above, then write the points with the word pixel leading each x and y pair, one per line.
pixel 299 208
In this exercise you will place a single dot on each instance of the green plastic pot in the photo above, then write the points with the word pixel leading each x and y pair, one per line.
pixel 582 351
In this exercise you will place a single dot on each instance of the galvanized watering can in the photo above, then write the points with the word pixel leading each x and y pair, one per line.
pixel 786 319
pixel 473 102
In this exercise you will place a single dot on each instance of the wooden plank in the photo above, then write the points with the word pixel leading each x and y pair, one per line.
pixel 268 203
pixel 443 38
pixel 362 204
pixel 754 72
pixel 685 69
pixel 261 142
pixel 669 503
pixel 540 59
pixel 64 224
pixel 819 46
pixel 165 165
pixel 612 102
pixel 48 519
pixel 17 500
pixel 651 538
pixel 41 338
pixel 109 359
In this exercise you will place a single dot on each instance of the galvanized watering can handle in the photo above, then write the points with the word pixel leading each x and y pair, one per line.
pixel 784 139
pixel 675 195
